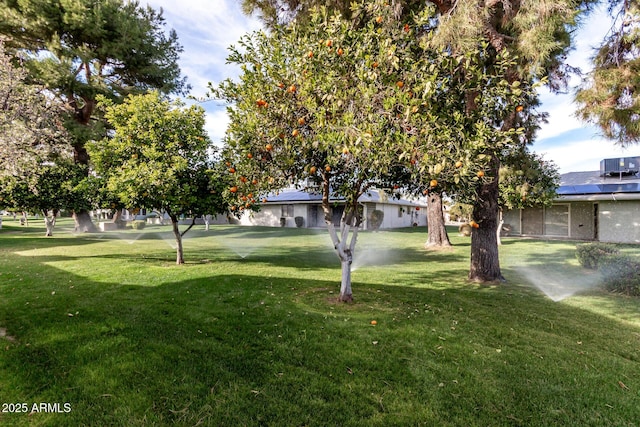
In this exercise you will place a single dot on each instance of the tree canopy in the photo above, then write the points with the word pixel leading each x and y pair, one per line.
pixel 30 128
pixel 159 157
pixel 84 48
pixel 345 105
pixel 610 95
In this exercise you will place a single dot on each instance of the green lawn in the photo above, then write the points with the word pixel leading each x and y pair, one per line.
pixel 248 333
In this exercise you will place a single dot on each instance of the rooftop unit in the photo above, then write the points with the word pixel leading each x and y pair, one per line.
pixel 620 166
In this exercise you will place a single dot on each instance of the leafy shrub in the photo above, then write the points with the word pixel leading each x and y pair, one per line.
pixel 299 221
pixel 621 274
pixel 590 254
pixel 375 219
pixel 138 225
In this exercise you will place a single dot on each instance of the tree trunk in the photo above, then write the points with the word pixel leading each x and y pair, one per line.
pixel 485 262
pixel 83 222
pixel 437 232
pixel 207 221
pixel 499 229
pixel 343 246
pixel 178 236
pixel 346 295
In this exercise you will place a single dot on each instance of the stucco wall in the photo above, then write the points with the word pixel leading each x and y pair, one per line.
pixel 392 219
pixel 269 216
pixel 619 221
pixel 582 221
pixel 533 221
pixel 512 221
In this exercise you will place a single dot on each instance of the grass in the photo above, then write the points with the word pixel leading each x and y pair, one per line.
pixel 107 324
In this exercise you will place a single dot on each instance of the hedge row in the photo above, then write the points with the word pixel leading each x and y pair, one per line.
pixel 620 273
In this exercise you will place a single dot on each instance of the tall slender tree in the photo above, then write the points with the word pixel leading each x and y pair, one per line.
pixel 610 95
pixel 79 49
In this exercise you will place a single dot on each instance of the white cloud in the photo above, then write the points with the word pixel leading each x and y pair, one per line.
pixel 217 122
pixel 205 29
pixel 564 139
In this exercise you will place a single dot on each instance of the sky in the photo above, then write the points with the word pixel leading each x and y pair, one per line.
pixel 206 28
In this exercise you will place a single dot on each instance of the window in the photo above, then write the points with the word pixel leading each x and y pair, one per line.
pixel 400 211
pixel 287 211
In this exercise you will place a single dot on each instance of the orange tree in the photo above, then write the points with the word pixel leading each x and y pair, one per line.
pixel 347 105
pixel 532 184
pixel 320 106
pixel 159 157
pixel 452 145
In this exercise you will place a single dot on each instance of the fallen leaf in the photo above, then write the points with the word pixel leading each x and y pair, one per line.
pixel 622 385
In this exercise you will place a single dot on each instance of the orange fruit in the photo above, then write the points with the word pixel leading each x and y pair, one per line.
pixel 400 84
pixel 374 322
pixel 292 88
pixel 458 164
pixel 329 43
pixel 327 168
pixel 301 121
pixel 232 170
pixel 234 189
pixel 378 19
pixel 310 54
pixel 480 174
pixel 312 170
pixel 340 52
pixel 295 133
pixel 374 65
pixel 268 147
pixel 433 183
pixel 254 181
pixel 519 108
pixel 249 156
pixel 345 150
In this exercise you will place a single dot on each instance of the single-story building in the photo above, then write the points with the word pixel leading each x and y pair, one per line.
pixel 282 209
pixel 600 206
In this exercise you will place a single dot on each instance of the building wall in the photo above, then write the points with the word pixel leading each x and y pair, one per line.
pixel 396 216
pixel 619 221
pixel 532 221
pixel 512 221
pixel 582 224
pixel 268 216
